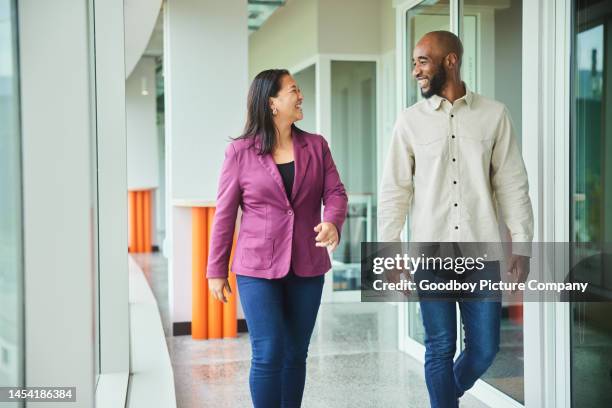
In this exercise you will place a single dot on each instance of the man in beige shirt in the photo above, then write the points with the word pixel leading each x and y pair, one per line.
pixel 455 168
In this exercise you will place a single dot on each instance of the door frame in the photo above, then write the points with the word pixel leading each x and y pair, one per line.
pixel 545 147
pixel 323 108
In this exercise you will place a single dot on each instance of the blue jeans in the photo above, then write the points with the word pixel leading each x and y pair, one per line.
pixel 481 316
pixel 280 315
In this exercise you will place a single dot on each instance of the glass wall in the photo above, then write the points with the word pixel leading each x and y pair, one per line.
pixel 435 15
pixel 353 113
pixel 11 263
pixel 591 201
pixel 492 61
pixel 492 65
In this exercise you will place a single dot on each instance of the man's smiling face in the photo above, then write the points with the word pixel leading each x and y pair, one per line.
pixel 428 69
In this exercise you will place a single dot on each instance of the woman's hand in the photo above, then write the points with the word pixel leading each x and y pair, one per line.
pixel 216 286
pixel 327 235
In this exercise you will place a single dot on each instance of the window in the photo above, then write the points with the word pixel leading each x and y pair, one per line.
pixel 11 264
pixel 590 201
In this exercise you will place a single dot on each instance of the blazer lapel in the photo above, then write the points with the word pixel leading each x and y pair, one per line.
pixel 268 162
pixel 301 156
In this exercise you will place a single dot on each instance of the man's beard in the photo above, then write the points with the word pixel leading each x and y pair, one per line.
pixel 436 83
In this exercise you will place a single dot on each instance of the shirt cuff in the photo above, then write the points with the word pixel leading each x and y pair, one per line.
pixel 521 247
pixel 216 273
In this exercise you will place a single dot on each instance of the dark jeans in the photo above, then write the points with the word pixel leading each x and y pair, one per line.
pixel 280 315
pixel 480 314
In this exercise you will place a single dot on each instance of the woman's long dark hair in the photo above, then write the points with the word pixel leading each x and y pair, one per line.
pixel 260 122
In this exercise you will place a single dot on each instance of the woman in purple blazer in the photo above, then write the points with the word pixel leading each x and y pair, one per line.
pixel 278 175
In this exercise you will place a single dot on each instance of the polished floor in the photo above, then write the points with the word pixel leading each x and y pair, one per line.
pixel 353 359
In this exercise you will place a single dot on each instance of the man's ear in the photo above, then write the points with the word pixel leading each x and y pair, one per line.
pixel 452 60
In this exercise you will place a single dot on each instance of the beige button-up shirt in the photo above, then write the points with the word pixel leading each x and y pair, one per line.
pixel 448 166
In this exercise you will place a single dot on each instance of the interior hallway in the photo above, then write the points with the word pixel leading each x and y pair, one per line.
pixel 353 359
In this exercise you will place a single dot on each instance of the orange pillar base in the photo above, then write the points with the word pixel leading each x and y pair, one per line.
pixel 211 318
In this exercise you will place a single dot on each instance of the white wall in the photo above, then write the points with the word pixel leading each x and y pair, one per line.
pixel 206 90
pixel 349 26
pixel 205 103
pixel 302 29
pixel 387 26
pixel 142 142
pixel 286 39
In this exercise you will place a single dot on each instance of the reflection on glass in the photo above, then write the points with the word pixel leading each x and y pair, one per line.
pixel 11 267
pixel 427 16
pixel 492 61
pixel 354 143
pixel 591 193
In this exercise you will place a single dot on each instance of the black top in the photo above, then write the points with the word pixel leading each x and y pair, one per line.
pixel 287 172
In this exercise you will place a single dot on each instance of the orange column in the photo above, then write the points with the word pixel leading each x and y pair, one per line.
pixel 139 226
pixel 215 307
pixel 146 222
pixel 199 287
pixel 132 220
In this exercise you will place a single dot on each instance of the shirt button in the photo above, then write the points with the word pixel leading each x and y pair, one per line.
pixel 454 182
pixel 453 136
pixel 456 204
pixel 452 116
pixel 290 212
pixel 454 159
pixel 456 227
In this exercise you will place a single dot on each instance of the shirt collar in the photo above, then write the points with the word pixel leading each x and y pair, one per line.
pixel 435 101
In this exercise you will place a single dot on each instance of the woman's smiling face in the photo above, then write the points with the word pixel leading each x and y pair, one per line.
pixel 288 102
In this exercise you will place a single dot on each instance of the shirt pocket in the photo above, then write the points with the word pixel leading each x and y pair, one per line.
pixel 432 148
pixel 477 144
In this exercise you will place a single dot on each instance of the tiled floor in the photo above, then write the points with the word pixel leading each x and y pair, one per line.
pixel 353 359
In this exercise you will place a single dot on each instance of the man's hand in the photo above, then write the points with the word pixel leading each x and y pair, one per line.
pixel 327 235
pixel 395 276
pixel 518 268
pixel 216 287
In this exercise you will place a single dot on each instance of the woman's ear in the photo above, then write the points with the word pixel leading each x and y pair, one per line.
pixel 273 107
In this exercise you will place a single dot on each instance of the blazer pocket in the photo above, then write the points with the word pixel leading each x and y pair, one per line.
pixel 257 253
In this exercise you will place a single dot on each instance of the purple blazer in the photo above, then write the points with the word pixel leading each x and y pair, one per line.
pixel 274 233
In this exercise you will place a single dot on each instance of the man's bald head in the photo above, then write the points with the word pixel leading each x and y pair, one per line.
pixel 436 62
pixel 443 43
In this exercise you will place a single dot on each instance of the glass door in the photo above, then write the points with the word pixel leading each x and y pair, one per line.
pixel 590 204
pixel 491 33
pixel 419 20
pixel 492 65
pixel 354 139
